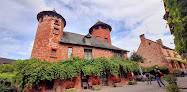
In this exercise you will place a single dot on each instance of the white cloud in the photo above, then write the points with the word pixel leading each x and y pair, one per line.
pixel 128 18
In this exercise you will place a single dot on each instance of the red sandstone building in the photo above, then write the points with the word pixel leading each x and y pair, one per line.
pixel 53 44
pixel 155 53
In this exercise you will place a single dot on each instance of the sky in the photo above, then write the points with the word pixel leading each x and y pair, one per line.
pixel 128 19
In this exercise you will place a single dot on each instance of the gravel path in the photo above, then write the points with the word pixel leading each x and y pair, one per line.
pixel 143 87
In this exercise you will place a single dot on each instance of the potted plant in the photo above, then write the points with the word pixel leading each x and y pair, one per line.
pixel 132 81
pixel 70 87
pixel 170 79
pixel 176 72
pixel 117 82
pixel 152 77
pixel 172 88
pixel 96 85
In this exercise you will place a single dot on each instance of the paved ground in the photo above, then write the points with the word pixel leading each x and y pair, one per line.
pixel 143 87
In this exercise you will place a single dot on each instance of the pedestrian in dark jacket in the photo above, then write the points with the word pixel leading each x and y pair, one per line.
pixel 147 77
pixel 157 76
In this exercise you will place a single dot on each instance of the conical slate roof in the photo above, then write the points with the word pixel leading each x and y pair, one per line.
pixel 53 13
pixel 99 23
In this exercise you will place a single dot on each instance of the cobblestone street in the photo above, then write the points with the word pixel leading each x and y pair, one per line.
pixel 143 87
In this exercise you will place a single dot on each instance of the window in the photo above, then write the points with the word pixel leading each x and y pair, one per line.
pixel 88 53
pixel 122 74
pixel 49 85
pixel 97 27
pixel 56 21
pixel 168 54
pixel 104 27
pixel 174 54
pixel 106 40
pixel 69 52
pixel 53 52
pixel 119 54
pixel 55 31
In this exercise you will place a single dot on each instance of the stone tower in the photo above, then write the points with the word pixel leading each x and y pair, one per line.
pixel 101 31
pixel 49 32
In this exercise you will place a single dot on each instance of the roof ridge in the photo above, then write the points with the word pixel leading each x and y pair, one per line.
pixel 158 43
pixel 107 45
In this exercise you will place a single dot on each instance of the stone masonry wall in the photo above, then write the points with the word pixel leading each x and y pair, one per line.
pixel 101 34
pixel 152 53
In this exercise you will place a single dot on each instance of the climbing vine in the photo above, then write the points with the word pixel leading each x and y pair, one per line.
pixel 176 11
pixel 31 72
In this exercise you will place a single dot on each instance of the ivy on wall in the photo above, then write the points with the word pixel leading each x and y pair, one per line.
pixel 31 72
pixel 177 20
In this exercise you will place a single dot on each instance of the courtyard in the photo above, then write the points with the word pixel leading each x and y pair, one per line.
pixel 143 87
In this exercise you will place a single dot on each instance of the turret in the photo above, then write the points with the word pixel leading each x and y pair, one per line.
pixel 101 31
pixel 49 32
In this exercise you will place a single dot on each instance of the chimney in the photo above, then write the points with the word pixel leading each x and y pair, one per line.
pixel 159 41
pixel 142 37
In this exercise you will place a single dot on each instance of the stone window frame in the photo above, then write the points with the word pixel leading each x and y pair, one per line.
pixel 53 53
pixel 56 31
pixel 91 54
pixel 106 40
pixel 69 55
pixel 169 55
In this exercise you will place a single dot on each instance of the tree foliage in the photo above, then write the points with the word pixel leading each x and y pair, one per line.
pixel 177 20
pixel 31 72
pixel 136 57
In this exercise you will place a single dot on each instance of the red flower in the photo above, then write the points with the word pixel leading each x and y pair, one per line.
pixel 69 85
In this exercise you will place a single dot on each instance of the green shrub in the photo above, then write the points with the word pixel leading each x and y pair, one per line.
pixel 71 90
pixel 172 88
pixel 170 78
pixel 6 88
pixel 96 87
pixel 152 76
pixel 151 69
pixel 118 84
pixel 176 70
pixel 132 82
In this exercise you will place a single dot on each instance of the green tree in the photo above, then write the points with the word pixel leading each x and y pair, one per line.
pixel 137 58
pixel 176 16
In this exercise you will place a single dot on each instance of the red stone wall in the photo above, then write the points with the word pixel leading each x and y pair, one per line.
pixel 62 52
pixel 45 38
pixel 152 53
pixel 101 34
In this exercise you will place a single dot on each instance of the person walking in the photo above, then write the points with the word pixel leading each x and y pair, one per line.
pixel 162 78
pixel 147 77
pixel 157 76
pixel 182 73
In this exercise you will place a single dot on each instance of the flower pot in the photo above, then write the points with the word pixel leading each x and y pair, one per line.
pixel 118 84
pixel 71 90
pixel 96 87
pixel 132 82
